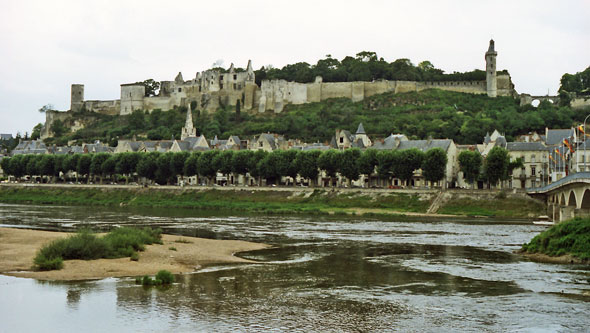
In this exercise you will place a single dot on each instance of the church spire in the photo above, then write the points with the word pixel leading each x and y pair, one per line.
pixel 188 130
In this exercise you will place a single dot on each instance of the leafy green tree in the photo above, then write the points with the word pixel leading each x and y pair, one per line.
pixel 410 161
pixel 206 167
pixel 287 165
pixel 306 163
pixel 434 164
pixel 151 87
pixel 46 165
pixel 147 166
pixel 191 164
pixel 17 166
pixel 239 162
pixel 58 128
pixel 31 166
pixel 222 162
pixel 96 165
pixel 496 165
pixel 368 161
pixel 127 164
pixel 83 166
pixel 254 164
pixel 269 167
pixel 329 161
pixel 386 161
pixel 470 165
pixel 177 163
pixel 164 174
pixel 109 166
pixel 5 166
pixel 36 134
pixel 349 167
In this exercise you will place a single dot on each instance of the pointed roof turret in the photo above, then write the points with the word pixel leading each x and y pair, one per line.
pixel 360 129
pixel 249 68
pixel 231 68
pixel 179 78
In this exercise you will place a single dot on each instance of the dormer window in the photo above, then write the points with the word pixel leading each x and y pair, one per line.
pixel 220 77
pixel 179 89
pixel 235 77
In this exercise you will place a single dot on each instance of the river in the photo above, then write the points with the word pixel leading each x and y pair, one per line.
pixel 325 274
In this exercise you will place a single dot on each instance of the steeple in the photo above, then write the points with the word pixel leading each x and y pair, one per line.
pixel 360 129
pixel 188 130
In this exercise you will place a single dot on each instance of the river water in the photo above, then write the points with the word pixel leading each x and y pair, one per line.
pixel 325 274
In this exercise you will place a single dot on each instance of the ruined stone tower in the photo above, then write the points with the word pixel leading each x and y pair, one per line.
pixel 188 131
pixel 491 80
pixel 77 98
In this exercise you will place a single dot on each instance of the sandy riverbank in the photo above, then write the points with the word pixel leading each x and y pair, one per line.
pixel 19 246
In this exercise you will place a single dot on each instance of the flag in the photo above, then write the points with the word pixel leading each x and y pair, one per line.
pixel 551 158
pixel 581 129
pixel 559 153
pixel 568 144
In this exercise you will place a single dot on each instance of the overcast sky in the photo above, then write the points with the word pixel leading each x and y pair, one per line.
pixel 48 45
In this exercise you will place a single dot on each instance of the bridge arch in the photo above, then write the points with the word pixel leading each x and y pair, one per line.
pixel 572 199
pixel 562 199
pixel 586 199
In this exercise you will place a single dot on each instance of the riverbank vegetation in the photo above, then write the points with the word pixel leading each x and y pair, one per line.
pixel 163 277
pixel 85 245
pixel 566 238
pixel 374 203
pixel 248 201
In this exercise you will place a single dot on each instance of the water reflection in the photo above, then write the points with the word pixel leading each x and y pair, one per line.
pixel 324 274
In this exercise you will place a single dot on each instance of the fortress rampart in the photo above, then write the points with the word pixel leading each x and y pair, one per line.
pixel 213 89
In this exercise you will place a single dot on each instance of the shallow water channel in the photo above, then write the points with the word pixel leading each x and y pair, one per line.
pixel 325 274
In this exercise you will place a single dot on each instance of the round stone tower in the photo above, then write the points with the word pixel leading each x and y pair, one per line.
pixel 492 83
pixel 77 98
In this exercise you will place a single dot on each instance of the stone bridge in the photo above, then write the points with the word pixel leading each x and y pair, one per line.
pixel 566 198
pixel 526 99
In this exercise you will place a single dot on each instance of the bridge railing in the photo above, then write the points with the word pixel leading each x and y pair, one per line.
pixel 565 180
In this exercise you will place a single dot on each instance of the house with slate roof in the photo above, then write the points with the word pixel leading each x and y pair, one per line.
pixel 268 142
pixel 30 147
pixel 344 139
pixel 128 146
pixel 536 164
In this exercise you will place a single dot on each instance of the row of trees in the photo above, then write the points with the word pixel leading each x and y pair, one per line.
pixel 497 166
pixel 163 168
pixel 365 66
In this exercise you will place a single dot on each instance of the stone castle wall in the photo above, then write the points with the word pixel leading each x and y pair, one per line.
pixel 275 94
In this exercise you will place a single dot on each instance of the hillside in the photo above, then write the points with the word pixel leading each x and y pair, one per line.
pixel 462 117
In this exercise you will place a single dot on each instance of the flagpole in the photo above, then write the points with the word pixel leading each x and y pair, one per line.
pixel 585 141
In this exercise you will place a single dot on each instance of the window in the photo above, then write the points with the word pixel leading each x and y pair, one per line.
pixel 220 77
pixel 221 86
pixel 533 171
pixel 235 76
pixel 179 89
pixel 199 88
pixel 260 143
pixel 533 159
pixel 533 183
pixel 235 86
pixel 341 140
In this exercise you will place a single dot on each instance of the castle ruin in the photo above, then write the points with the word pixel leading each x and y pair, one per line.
pixel 212 89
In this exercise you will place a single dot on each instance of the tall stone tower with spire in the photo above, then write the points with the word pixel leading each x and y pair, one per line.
pixel 492 83
pixel 188 131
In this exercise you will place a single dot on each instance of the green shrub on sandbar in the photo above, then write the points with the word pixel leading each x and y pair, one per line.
pixel 85 245
pixel 163 277
pixel 569 237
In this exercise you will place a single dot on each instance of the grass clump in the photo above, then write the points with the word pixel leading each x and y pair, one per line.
pixel 172 248
pixel 183 241
pixel 570 237
pixel 85 245
pixel 163 277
